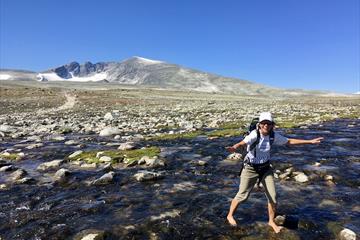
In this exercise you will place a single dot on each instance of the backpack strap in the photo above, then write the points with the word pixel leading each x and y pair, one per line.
pixel 253 146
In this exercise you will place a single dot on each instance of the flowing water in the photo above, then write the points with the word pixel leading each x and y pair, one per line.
pixel 191 201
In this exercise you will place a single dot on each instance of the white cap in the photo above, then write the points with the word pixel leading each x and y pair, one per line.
pixel 265 116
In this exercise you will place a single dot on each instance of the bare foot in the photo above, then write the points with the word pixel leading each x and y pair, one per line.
pixel 276 228
pixel 231 220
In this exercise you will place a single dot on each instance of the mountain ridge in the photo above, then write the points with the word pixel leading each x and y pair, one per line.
pixel 141 71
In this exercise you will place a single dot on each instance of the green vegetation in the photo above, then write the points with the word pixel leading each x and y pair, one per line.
pixel 118 155
pixel 188 135
pixel 11 156
pixel 232 125
pixel 225 133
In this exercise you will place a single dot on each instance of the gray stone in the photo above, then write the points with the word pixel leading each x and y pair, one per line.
pixel 105 159
pixel 75 154
pixel 20 173
pixel 144 175
pixel 104 179
pixel 61 174
pixel 50 165
pixel 126 146
pixel 301 177
pixel 109 131
pixel 347 234
pixel 7 168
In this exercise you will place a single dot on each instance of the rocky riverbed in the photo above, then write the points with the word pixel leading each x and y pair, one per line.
pixel 147 164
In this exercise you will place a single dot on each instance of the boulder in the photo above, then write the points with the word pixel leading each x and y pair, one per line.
pixel 147 176
pixel 50 165
pixel 61 174
pixel 75 154
pixel 347 234
pixel 109 131
pixel 104 179
pixel 126 146
pixel 301 177
pixel 105 159
pixel 18 174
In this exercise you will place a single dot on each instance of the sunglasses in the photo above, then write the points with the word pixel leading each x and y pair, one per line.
pixel 267 123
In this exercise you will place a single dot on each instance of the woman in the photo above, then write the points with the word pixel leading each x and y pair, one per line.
pixel 257 165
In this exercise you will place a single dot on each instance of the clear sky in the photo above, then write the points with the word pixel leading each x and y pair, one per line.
pixel 309 44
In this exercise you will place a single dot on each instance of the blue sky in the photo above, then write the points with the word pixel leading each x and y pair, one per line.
pixel 309 44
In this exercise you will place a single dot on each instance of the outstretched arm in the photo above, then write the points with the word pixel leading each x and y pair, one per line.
pixel 293 141
pixel 236 146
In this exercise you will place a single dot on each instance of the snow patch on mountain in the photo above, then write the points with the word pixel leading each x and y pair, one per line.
pixel 54 77
pixel 146 61
pixel 5 76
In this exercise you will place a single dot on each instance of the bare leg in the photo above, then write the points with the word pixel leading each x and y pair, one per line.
pixel 272 210
pixel 233 207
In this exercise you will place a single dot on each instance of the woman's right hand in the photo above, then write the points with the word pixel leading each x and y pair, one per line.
pixel 231 149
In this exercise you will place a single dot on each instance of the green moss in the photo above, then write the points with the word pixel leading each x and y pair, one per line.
pixel 118 155
pixel 232 125
pixel 287 124
pixel 11 156
pixel 188 135
pixel 225 133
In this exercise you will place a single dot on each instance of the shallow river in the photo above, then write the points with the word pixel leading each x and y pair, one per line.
pixel 191 201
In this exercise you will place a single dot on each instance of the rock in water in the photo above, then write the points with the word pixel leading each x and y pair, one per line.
pixel 347 234
pixel 75 154
pixel 104 179
pixel 20 173
pixel 147 176
pixel 50 165
pixel 61 174
pixel 109 131
pixel 302 178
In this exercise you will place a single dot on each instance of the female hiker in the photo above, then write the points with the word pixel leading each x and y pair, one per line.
pixel 257 165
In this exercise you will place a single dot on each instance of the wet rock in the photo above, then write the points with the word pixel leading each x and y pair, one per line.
pixel 7 168
pixel 25 180
pixel 105 159
pixel 126 146
pixel 104 179
pixel 88 165
pixel 285 175
pixel 49 165
pixel 153 162
pixel 144 175
pixel 301 177
pixel 3 187
pixel 234 156
pixel 90 234
pixel 171 214
pixel 109 131
pixel 35 145
pixel 317 164
pixel 328 178
pixel 57 138
pixel 61 174
pixel 71 142
pixel 107 167
pixel 347 234
pixel 201 163
pixel 75 154
pixel 7 128
pixel 20 173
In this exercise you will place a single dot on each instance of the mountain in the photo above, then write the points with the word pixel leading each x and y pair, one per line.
pixel 142 71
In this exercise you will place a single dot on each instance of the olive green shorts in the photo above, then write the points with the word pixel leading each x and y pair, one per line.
pixel 249 178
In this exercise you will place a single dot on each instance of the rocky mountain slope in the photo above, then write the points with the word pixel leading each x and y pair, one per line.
pixel 146 72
